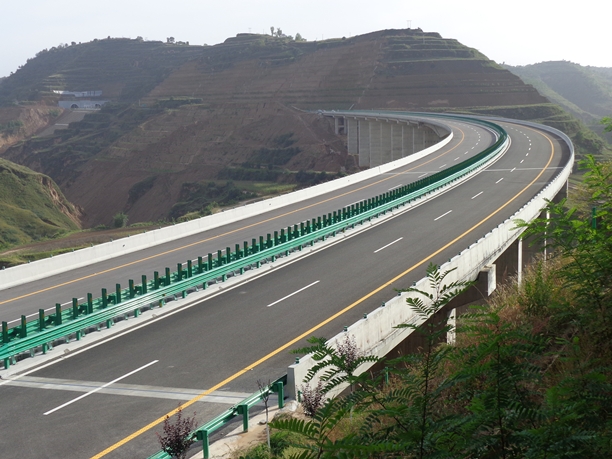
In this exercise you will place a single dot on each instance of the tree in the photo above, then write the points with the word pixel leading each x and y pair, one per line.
pixel 265 397
pixel 120 220
pixel 170 40
pixel 607 122
pixel 298 37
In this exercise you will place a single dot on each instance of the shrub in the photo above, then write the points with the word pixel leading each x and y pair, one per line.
pixel 176 438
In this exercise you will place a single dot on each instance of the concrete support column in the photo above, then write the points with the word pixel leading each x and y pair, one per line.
pixel 386 143
pixel 408 140
pixel 484 285
pixel 364 143
pixel 375 144
pixel 336 125
pixel 508 262
pixel 396 141
pixel 352 141
pixel 562 194
pixel 429 137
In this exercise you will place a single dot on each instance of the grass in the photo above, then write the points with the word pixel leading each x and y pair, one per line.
pixel 266 188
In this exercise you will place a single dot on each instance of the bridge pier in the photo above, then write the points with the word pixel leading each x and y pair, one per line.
pixel 379 141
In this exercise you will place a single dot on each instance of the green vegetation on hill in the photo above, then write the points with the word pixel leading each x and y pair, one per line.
pixel 32 208
pixel 585 92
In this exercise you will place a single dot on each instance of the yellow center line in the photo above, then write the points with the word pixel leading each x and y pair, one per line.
pixel 63 284
pixel 326 321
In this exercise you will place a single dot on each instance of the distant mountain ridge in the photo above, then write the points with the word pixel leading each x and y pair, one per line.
pixel 586 92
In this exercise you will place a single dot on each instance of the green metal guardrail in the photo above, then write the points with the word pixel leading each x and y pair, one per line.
pixel 72 323
pixel 203 432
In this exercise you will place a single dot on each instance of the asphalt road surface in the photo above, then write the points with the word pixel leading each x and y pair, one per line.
pixel 108 400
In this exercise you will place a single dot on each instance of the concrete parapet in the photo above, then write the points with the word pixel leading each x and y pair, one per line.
pixel 50 266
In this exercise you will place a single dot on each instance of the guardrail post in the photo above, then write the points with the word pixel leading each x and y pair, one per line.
pixel 118 293
pixel 200 265
pixel 189 268
pixel 41 319
pixel 301 228
pixel 7 363
pixel 210 261
pixel 5 336
pixel 23 332
pixel 219 258
pixel 228 255
pixel 268 241
pixel 276 240
pixel 261 243
pixel 289 234
pixel 75 308
pixel 238 253
pixel 243 409
pixel 279 388
pixel 144 285
pixel 296 233
pixel 254 247
pixel 203 436
pixel 58 314
pixel 104 298
pixel 179 271
pixel 245 248
pixel 89 303
pixel 155 280
pixel 131 288
pixel 168 279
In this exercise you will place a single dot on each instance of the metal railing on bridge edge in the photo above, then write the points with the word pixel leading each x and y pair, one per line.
pixel 203 432
pixel 47 330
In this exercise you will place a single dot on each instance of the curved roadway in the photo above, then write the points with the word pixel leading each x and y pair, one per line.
pixel 229 342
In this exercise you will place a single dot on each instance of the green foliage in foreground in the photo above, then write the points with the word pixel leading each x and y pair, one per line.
pixel 30 207
pixel 529 376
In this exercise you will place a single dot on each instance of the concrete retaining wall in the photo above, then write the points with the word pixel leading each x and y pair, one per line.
pixel 84 257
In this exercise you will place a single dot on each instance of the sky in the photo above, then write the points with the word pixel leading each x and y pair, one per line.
pixel 519 32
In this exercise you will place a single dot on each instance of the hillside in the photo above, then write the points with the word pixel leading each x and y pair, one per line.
pixel 186 119
pixel 585 92
pixel 32 207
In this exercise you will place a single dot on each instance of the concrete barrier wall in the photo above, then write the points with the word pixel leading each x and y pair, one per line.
pixel 50 266
pixel 376 335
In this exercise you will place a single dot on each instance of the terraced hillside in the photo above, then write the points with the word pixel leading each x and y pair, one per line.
pixel 392 68
pixel 188 119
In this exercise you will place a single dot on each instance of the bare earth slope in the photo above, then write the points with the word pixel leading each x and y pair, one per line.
pixel 236 111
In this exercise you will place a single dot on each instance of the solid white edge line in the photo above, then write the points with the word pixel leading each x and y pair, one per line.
pixel 390 243
pixel 423 175
pixel 476 195
pixel 442 215
pixel 294 293
pixel 100 388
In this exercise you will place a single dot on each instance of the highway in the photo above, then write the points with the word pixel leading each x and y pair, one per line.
pixel 228 342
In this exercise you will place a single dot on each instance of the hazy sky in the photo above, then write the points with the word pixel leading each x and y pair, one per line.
pixel 516 32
